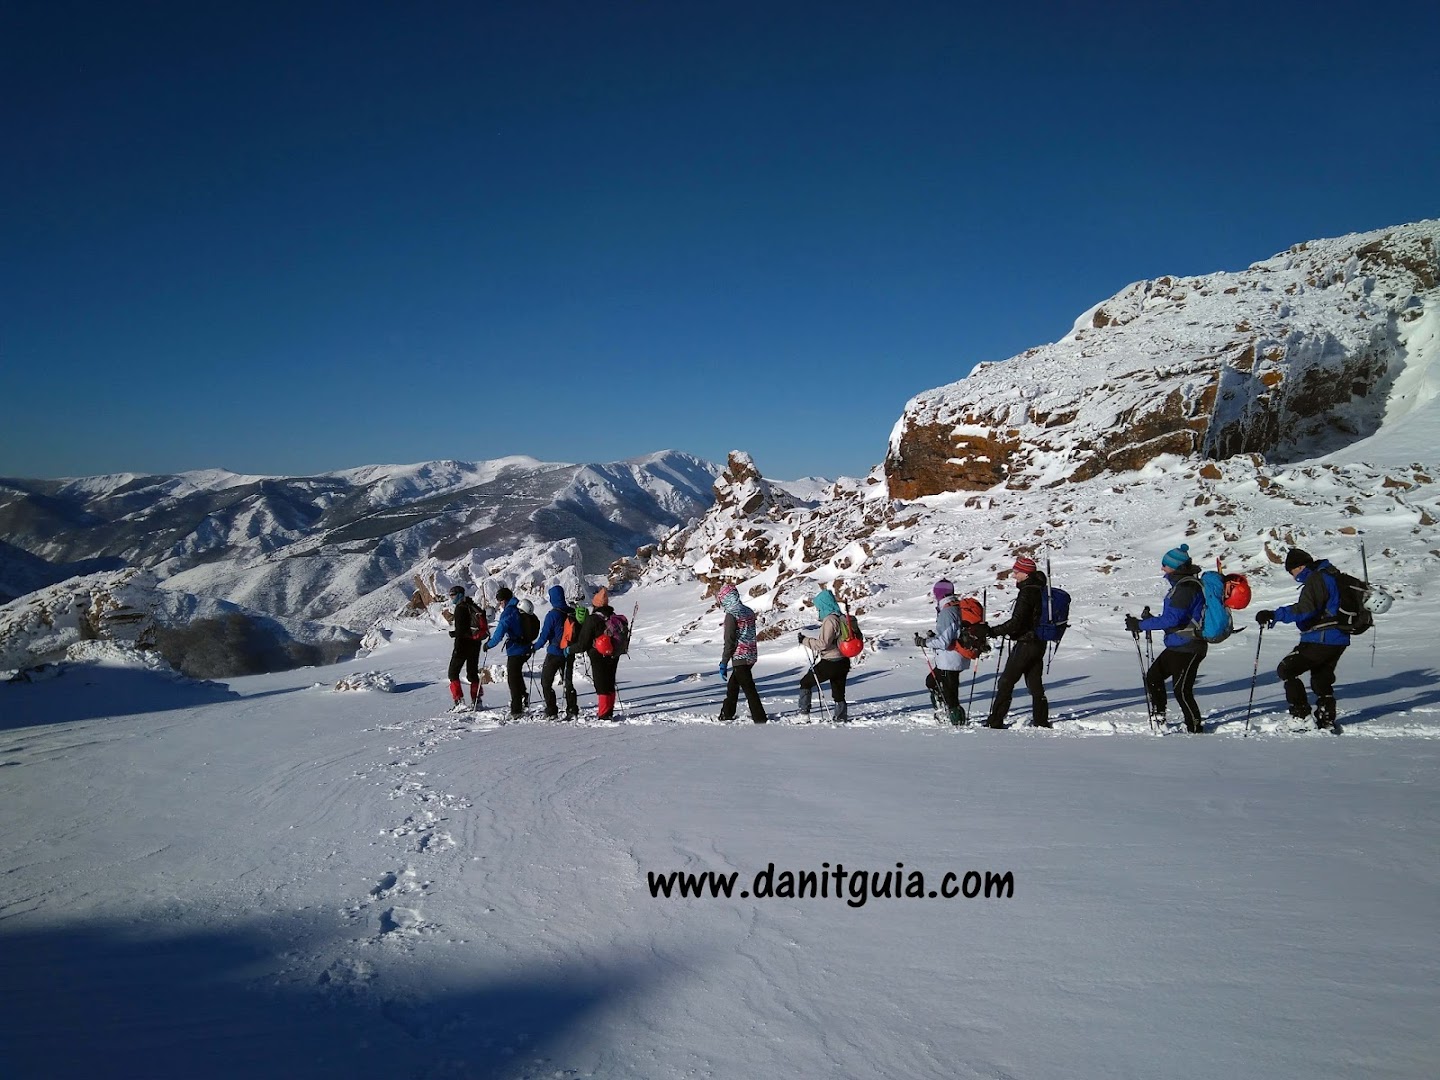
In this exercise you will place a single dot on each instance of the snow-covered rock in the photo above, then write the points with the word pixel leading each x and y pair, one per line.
pixel 1293 357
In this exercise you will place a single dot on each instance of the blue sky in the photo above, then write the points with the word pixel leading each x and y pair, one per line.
pixel 294 238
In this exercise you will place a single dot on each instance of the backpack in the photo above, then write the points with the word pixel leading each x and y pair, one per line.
pixel 479 629
pixel 1359 603
pixel 529 626
pixel 1215 623
pixel 968 643
pixel 1054 614
pixel 851 639
pixel 569 628
pixel 614 640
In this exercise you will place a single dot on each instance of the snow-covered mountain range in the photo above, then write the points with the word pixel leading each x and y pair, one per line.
pixel 289 554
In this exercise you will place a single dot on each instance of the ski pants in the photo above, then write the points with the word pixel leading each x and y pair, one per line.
pixel 831 671
pixel 1027 660
pixel 946 684
pixel 1181 668
pixel 565 666
pixel 602 672
pixel 515 679
pixel 465 655
pixel 1320 661
pixel 742 678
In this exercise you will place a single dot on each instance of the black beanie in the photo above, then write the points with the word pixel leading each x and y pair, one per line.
pixel 1295 558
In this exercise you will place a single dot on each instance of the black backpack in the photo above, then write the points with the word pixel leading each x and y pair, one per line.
pixel 1352 614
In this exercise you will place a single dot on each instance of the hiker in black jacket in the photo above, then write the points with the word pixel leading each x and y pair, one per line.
pixel 466 652
pixel 1027 653
pixel 603 668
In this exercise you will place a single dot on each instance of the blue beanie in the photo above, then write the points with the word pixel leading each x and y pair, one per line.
pixel 1176 557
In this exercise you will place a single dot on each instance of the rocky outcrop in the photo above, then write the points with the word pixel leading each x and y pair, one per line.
pixel 1292 357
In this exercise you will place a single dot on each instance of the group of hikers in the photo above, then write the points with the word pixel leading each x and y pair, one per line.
pixel 959 636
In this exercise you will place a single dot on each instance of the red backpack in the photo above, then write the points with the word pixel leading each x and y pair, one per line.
pixel 966 643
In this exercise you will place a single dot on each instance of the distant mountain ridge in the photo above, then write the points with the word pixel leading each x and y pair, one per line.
pixel 305 547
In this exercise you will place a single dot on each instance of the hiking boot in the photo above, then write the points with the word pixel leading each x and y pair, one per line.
pixel 1325 712
pixel 552 714
pixel 957 716
pixel 1040 723
pixel 761 719
pixel 1196 728
pixel 995 722
pixel 803 705
pixel 727 719
pixel 841 713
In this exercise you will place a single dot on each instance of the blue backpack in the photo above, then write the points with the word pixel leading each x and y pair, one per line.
pixel 1054 614
pixel 1215 623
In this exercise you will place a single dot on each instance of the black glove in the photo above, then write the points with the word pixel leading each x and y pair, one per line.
pixel 920 640
pixel 800 637
pixel 1145 612
pixel 452 633
pixel 1265 618
pixel 1132 624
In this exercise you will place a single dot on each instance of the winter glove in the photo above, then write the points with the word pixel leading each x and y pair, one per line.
pixel 452 633
pixel 800 637
pixel 1265 618
pixel 724 673
pixel 1132 624
pixel 1146 613
pixel 920 641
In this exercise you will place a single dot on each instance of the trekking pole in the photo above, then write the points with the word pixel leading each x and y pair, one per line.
pixel 1145 686
pixel 934 680
pixel 1149 637
pixel 1052 647
pixel 999 660
pixel 975 668
pixel 1365 569
pixel 1254 676
pixel 825 711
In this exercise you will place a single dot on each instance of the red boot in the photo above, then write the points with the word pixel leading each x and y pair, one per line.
pixel 456 696
pixel 606 702
pixel 476 694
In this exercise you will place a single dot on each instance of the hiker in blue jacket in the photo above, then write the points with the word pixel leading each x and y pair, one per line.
pixel 508 629
pixel 1321 641
pixel 557 658
pixel 1183 613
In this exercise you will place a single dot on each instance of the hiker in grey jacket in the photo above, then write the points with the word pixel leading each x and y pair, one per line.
pixel 944 682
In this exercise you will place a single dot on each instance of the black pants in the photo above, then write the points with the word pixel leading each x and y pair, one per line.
pixel 1320 661
pixel 831 671
pixel 565 666
pixel 515 679
pixel 602 672
pixel 947 685
pixel 1027 660
pixel 467 655
pixel 1180 667
pixel 742 678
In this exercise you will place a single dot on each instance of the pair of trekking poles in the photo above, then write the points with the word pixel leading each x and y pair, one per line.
pixel 1145 669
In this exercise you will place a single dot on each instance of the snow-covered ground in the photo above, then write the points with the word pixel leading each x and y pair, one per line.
pixel 274 878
